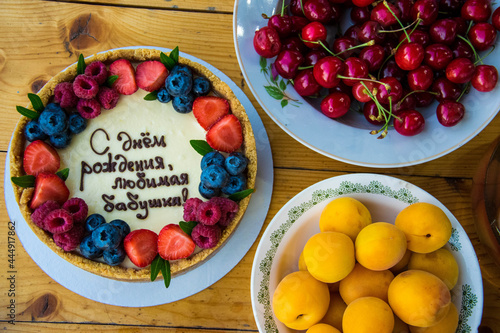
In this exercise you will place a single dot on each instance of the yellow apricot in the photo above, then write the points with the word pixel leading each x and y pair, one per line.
pixel 346 215
pixel 302 263
pixel 335 311
pixel 441 263
pixel 363 282
pixel 329 256
pixel 322 328
pixel 368 315
pixel 401 265
pixel 448 324
pixel 379 246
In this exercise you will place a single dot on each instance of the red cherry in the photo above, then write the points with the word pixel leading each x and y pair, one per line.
pixel 362 3
pixel 342 47
pixel 394 94
pixel 445 89
pixel 420 78
pixel 485 78
pixel 296 7
pixel 373 55
pixel 423 99
pixel 372 113
pixel 294 43
pixel 354 68
pixel 318 10
pixel 449 113
pixel 409 123
pixel 406 103
pixel 460 70
pixel 381 14
pixel 312 57
pixel 418 36
pixel 476 10
pixel 495 18
pixel 391 69
pixel 462 25
pixel 305 84
pixel 282 24
pixel 409 56
pixel 482 35
pixel 266 42
pixel 426 10
pixel 404 7
pixel 353 32
pixel 314 32
pixel 360 14
pixel 326 70
pixel 437 56
pixel 287 63
pixel 298 22
pixel 360 92
pixel 461 49
pixel 450 6
pixel 370 30
pixel 335 105
pixel 443 31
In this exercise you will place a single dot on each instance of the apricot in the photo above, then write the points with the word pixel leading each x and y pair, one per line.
pixel 368 315
pixel 448 324
pixel 400 326
pixel 346 215
pixel 300 301
pixel 402 264
pixel 363 282
pixel 329 256
pixel 302 263
pixel 322 328
pixel 335 311
pixel 379 246
pixel 426 226
pixel 441 263
pixel 419 298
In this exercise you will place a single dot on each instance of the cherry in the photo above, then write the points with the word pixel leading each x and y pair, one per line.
pixel 370 30
pixel 485 78
pixel 461 49
pixel 295 44
pixel 391 69
pixel 460 70
pixel 406 103
pixel 423 99
pixel 495 18
pixel 417 36
pixel 343 88
pixel 287 63
pixel 476 10
pixel 354 68
pixel 426 10
pixel 372 113
pixel 445 89
pixel 353 32
pixel 282 25
pixel 462 25
pixel 374 56
pixel 409 56
pixel 337 11
pixel 450 6
pixel 438 56
pixel 362 3
pixel 298 22
pixel 314 32
pixel 318 10
pixel 394 93
pixel 343 47
pixel 449 113
pixel 266 42
pixel 409 123
pixel 312 57
pixel 381 14
pixel 360 93
pixel 482 35
pixel 305 84
pixel 296 7
pixel 404 7
pixel 420 78
pixel 360 14
pixel 335 105
pixel 443 31
pixel 326 71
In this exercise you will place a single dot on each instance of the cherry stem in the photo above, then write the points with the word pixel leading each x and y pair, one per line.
pixel 388 87
pixel 282 8
pixel 369 43
pixel 402 29
pixel 397 19
pixel 489 52
pixel 464 91
pixel 383 112
pixel 478 59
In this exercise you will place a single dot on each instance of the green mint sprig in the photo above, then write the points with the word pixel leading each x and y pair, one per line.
pixel 80 66
pixel 201 146
pixel 170 60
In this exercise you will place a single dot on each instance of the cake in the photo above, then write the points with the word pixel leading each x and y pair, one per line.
pixel 137 161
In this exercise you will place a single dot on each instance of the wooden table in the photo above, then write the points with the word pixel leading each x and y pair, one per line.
pixel 40 38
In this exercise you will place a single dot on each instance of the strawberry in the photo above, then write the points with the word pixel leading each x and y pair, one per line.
pixel 173 243
pixel 226 134
pixel 140 246
pixel 48 186
pixel 209 109
pixel 150 75
pixel 40 157
pixel 125 84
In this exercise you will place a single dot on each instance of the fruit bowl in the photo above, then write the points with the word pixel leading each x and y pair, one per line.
pixel 348 138
pixel 280 246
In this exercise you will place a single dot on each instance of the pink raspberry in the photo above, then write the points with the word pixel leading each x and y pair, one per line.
pixel 58 221
pixel 69 240
pixel 228 209
pixel 206 236
pixel 78 209
pixel 42 211
pixel 88 108
pixel 98 71
pixel 208 213
pixel 64 95
pixel 85 87
pixel 191 209
pixel 108 97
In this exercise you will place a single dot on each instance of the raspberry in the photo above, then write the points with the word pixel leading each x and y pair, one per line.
pixel 208 213
pixel 108 97
pixel 85 87
pixel 42 211
pixel 88 108
pixel 191 209
pixel 98 71
pixel 228 209
pixel 70 240
pixel 206 236
pixel 64 95
pixel 78 209
pixel 58 221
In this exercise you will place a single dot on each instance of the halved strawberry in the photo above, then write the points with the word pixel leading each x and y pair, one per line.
pixel 209 109
pixel 40 157
pixel 225 135
pixel 151 75
pixel 141 246
pixel 125 84
pixel 48 186
pixel 173 243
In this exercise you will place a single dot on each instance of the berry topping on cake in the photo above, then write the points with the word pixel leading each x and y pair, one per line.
pixel 89 108
pixel 38 216
pixel 97 70
pixel 53 119
pixel 206 236
pixel 191 209
pixel 88 248
pixel 114 257
pixel 209 109
pixel 179 82
pixel 40 157
pixel 48 186
pixel 70 240
pixel 60 140
pixel 173 243
pixel 236 163
pixel 125 84
pixel 141 246
pixel 212 158
pixel 150 75
pixel 208 192
pixel 163 95
pixel 58 221
pixel 183 103
pixel 201 86
pixel 65 95
pixel 208 213
pixel 106 237
pixel 214 176
pixel 85 87
pixel 76 123
pixel 33 132
pixel 108 97
pixel 235 184
pixel 122 226
pixel 94 221
pixel 77 208
pixel 228 209
pixel 225 135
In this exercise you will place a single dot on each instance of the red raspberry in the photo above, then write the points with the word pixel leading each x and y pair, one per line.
pixel 42 211
pixel 98 71
pixel 85 87
pixel 64 95
pixel 191 209
pixel 88 108
pixel 70 240
pixel 208 213
pixel 108 97
pixel 58 221
pixel 206 236
pixel 78 209
pixel 228 209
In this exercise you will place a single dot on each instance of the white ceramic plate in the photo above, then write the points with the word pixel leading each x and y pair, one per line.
pixel 280 246
pixel 348 139
pixel 140 294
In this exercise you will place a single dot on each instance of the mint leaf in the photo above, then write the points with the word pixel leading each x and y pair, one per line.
pixel 152 96
pixel 63 174
pixel 110 80
pixel 24 181
pixel 156 266
pixel 187 227
pixel 241 194
pixel 174 55
pixel 165 271
pixel 27 112
pixel 36 101
pixel 80 67
pixel 201 146
pixel 167 61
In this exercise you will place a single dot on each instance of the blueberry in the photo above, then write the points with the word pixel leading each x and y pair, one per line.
pixel 163 95
pixel 201 86
pixel 93 222
pixel 122 226
pixel 76 123
pixel 236 163
pixel 60 140
pixel 183 103
pixel 114 257
pixel 88 248
pixel 214 176
pixel 235 184
pixel 178 83
pixel 207 192
pixel 106 237
pixel 212 158
pixel 53 119
pixel 33 132
pixel 182 68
